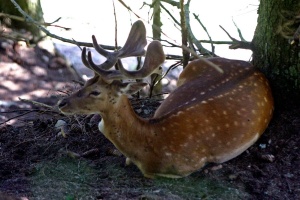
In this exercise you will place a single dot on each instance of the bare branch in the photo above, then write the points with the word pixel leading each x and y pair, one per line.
pixel 204 28
pixel 239 31
pixel 175 65
pixel 20 115
pixel 238 44
pixel 116 25
pixel 168 12
pixel 128 8
pixel 38 104
pixel 173 3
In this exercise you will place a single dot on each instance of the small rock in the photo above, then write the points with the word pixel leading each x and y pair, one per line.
pixel 114 152
pixel 288 175
pixel 215 168
pixel 268 157
pixel 262 146
pixel 232 176
pixel 60 123
pixel 146 112
pixel 62 126
pixel 138 110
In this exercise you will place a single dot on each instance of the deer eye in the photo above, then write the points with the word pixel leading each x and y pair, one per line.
pixel 95 93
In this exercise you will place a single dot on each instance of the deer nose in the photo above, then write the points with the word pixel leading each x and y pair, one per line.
pixel 62 103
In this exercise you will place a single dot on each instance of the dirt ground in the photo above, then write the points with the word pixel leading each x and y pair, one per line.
pixel 38 162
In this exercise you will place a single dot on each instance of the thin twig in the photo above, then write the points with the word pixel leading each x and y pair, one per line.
pixel 173 3
pixel 22 114
pixel 216 67
pixel 216 42
pixel 239 31
pixel 204 28
pixel 175 65
pixel 169 13
pixel 232 38
pixel 116 25
pixel 128 8
pixel 236 43
pixel 201 49
pixel 20 110
pixel 37 103
pixel 171 44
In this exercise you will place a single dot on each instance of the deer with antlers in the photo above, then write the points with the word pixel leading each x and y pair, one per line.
pixel 210 117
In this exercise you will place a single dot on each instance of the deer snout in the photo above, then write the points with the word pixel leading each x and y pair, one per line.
pixel 64 106
pixel 62 103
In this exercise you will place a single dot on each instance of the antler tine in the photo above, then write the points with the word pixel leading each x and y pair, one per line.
pixel 134 46
pixel 83 58
pixel 154 58
pixel 105 74
pixel 90 64
pixel 98 48
pixel 136 41
pixel 111 57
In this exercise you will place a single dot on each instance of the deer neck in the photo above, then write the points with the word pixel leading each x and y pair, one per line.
pixel 121 125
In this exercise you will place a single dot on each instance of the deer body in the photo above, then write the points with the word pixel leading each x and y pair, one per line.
pixel 210 117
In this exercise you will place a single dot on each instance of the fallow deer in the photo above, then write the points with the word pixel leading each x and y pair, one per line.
pixel 210 117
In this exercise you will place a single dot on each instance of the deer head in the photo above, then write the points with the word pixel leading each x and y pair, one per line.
pixel 210 117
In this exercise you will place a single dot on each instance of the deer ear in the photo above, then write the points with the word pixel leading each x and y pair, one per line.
pixel 133 87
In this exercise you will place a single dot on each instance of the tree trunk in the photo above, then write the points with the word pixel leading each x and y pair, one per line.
pixel 156 31
pixel 156 27
pixel 273 52
pixel 32 7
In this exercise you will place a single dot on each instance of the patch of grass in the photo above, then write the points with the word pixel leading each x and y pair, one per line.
pixel 199 188
pixel 65 178
pixel 74 179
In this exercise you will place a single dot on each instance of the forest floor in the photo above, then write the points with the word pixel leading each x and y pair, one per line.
pixel 37 162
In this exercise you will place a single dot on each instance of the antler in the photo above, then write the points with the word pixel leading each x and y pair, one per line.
pixel 134 46
pixel 154 58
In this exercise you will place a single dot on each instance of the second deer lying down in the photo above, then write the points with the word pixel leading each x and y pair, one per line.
pixel 210 117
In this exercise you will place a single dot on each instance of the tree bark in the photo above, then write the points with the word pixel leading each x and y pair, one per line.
pixel 273 52
pixel 156 27
pixel 32 7
pixel 156 31
pixel 184 35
